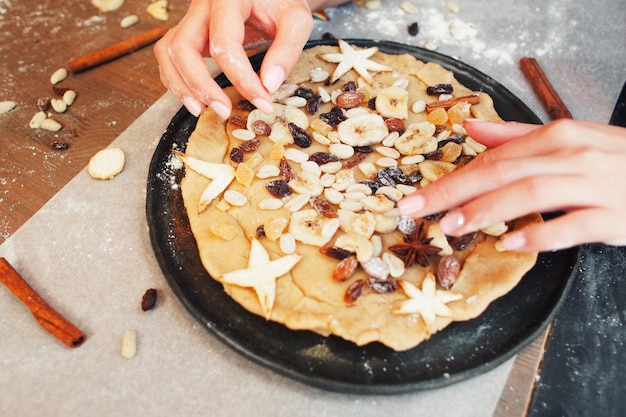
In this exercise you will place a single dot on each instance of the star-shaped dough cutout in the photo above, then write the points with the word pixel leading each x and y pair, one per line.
pixel 221 174
pixel 350 58
pixel 261 274
pixel 429 302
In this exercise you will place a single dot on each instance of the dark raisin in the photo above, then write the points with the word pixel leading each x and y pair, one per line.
pixel 335 252
pixel 245 105
pixel 59 145
pixel 250 145
pixel 260 231
pixel 300 136
pixel 435 155
pixel 333 117
pixel 461 242
pixel 355 160
pixel 285 169
pixel 149 299
pixel 354 291
pixel 278 188
pixel 321 158
pixel 371 103
pixel 439 129
pixel 43 104
pixel 374 185
pixel 415 177
pixel 384 178
pixel 382 286
pixel 349 86
pixel 435 217
pixel 313 104
pixel 236 155
pixel 397 175
pixel 464 160
pixel 328 36
pixel 323 207
pixel 413 29
pixel 304 92
pixel 59 91
pixel 364 149
pixel 439 89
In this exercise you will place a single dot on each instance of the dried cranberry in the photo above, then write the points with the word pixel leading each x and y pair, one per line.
pixel 300 136
pixel 278 188
pixel 236 155
pixel 413 29
pixel 439 89
pixel 250 145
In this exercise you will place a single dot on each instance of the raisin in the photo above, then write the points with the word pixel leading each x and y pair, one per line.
pixel 278 188
pixel 323 207
pixel 300 136
pixel 395 125
pixel 59 91
pixel 149 299
pixel 397 175
pixel 458 139
pixel 374 185
pixel 345 268
pixel 321 158
pixel 435 155
pixel 384 178
pixel 447 271
pixel 285 169
pixel 304 92
pixel 336 252
pixel 355 160
pixel 435 217
pixel 382 286
pixel 333 117
pixel 364 149
pixel 260 231
pixel 328 36
pixel 245 105
pixel 313 104
pixel 237 120
pixel 261 127
pixel 437 89
pixel 349 86
pixel 371 103
pixel 250 145
pixel 415 177
pixel 464 160
pixel 236 155
pixel 461 242
pixel 354 291
pixel 43 104
pixel 413 29
pixel 59 145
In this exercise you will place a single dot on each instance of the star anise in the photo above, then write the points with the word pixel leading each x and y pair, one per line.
pixel 416 248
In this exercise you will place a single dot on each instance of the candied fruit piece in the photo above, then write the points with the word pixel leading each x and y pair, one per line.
pixel 224 231
pixel 275 227
pixel 277 151
pixel 321 126
pixel 459 112
pixel 244 175
pixel 439 116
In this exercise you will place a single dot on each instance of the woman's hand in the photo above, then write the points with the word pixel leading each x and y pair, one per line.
pixel 219 29
pixel 575 166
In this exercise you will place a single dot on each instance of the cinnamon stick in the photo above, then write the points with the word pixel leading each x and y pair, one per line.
pixel 446 104
pixel 109 53
pixel 48 317
pixel 538 79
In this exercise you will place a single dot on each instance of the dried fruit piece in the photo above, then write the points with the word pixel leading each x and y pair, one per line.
pixel 417 139
pixel 362 130
pixel 393 102
pixel 354 291
pixel 148 300
pixel 300 136
pixel 413 29
pixel 278 188
pixel 437 89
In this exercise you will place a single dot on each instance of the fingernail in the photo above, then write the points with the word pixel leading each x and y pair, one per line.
pixel 452 222
pixel 273 78
pixel 192 105
pixel 410 205
pixel 263 105
pixel 513 241
pixel 220 109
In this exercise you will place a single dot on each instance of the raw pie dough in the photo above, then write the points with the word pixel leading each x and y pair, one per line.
pixel 308 297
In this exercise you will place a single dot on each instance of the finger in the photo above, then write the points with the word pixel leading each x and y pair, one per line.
pixel 569 230
pixel 495 134
pixel 226 36
pixel 293 27
pixel 482 176
pixel 531 195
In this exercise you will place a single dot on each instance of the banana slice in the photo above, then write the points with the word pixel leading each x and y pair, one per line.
pixel 358 244
pixel 393 102
pixel 362 130
pixel 433 170
pixel 417 139
pixel 307 226
pixel 363 223
pixel 306 182
pixel 281 116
